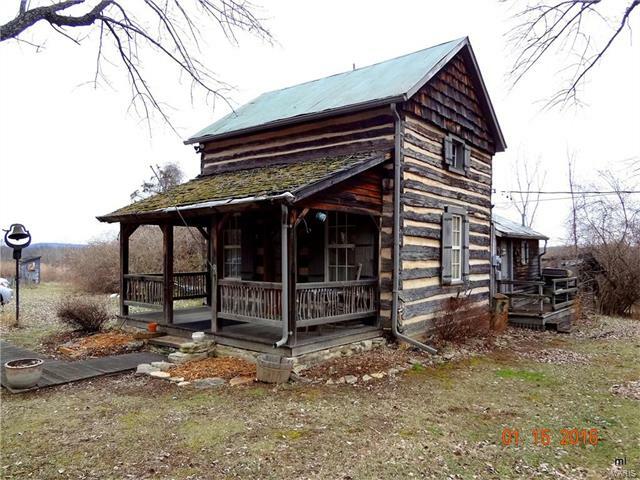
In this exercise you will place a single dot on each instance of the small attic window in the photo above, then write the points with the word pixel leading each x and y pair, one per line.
pixel 457 154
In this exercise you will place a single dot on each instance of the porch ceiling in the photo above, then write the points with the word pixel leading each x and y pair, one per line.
pixel 292 181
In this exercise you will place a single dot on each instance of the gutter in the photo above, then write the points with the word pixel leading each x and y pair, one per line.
pixel 284 233
pixel 397 178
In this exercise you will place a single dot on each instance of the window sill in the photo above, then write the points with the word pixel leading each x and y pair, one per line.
pixel 459 171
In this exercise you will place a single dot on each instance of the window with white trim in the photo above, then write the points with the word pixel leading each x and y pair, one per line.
pixel 455 245
pixel 232 248
pixel 456 248
pixel 341 247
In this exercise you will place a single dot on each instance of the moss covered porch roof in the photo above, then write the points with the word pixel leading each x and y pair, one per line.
pixel 251 184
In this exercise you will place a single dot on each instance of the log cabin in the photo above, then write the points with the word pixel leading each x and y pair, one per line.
pixel 333 210
pixel 538 297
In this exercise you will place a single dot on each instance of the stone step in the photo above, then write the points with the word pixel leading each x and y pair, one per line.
pixel 170 341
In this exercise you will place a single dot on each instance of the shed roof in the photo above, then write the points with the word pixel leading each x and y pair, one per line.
pixel 292 181
pixel 508 228
pixel 379 84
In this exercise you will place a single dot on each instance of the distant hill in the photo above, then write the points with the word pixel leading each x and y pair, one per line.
pixel 52 253
pixel 53 245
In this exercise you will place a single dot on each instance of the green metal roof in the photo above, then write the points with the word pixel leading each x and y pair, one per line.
pixel 386 82
pixel 252 184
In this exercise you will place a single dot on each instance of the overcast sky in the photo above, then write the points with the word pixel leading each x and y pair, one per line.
pixel 69 152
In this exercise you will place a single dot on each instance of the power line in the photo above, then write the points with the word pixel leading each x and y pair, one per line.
pixel 576 193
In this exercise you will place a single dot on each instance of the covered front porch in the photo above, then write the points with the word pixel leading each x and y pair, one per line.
pixel 290 279
pixel 292 256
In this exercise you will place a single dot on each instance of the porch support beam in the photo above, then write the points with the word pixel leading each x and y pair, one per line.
pixel 126 230
pixel 167 273
pixel 212 263
pixel 292 245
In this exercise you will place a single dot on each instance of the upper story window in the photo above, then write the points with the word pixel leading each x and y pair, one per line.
pixel 457 155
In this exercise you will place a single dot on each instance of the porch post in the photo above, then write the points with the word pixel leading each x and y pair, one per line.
pixel 125 233
pixel 212 262
pixel 167 273
pixel 292 247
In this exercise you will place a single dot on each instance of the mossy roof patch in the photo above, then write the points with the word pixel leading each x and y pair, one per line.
pixel 263 182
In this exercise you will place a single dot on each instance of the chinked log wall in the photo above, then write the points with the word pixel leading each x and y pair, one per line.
pixel 448 103
pixel 360 132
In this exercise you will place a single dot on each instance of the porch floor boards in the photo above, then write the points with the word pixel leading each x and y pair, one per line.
pixel 258 337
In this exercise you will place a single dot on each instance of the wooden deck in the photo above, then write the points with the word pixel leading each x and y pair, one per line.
pixel 58 372
pixel 254 337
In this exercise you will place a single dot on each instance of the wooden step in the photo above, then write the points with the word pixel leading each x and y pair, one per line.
pixel 170 341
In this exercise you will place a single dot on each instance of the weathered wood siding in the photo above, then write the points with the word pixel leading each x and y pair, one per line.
pixel 359 132
pixel 448 104
pixel 529 270
pixel 359 194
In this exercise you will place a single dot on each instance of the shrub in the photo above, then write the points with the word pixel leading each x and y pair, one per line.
pixel 83 314
pixel 461 319
pixel 95 268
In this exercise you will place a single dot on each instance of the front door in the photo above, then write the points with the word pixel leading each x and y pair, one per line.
pixel 506 264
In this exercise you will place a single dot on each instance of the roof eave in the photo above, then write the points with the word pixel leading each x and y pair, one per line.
pixel 299 118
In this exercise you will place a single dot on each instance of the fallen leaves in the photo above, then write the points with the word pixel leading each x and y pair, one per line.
pixel 220 367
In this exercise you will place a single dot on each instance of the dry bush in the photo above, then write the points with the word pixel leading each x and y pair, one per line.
pixel 608 232
pixel 86 315
pixel 54 273
pixel 95 268
pixel 617 277
pixel 461 319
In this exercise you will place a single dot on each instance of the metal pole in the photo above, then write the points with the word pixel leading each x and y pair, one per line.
pixel 17 292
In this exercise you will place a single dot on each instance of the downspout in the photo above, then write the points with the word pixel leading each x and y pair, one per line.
pixel 284 235
pixel 397 178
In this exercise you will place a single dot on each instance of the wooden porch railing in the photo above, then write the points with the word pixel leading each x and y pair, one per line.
pixel 146 289
pixel 329 302
pixel 254 302
pixel 143 289
pixel 189 285
pixel 536 297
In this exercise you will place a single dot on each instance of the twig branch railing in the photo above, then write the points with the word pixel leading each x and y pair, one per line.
pixel 329 302
pixel 146 289
pixel 253 302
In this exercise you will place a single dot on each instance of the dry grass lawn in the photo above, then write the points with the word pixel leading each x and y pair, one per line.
pixel 434 422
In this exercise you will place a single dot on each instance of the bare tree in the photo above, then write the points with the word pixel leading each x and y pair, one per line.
pixel 163 178
pixel 608 230
pixel 530 182
pixel 129 32
pixel 574 220
pixel 569 26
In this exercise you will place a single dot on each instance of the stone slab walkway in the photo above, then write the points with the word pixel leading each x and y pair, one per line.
pixel 57 372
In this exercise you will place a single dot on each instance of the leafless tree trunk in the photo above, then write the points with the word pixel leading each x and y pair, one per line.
pixel 574 226
pixel 530 182
pixel 568 26
pixel 128 32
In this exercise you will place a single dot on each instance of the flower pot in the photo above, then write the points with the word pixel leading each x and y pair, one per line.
pixel 23 373
pixel 152 327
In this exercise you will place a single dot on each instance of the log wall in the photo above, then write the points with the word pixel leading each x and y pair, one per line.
pixel 447 104
pixel 359 132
